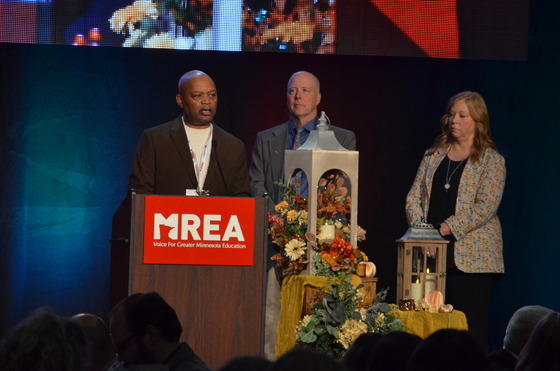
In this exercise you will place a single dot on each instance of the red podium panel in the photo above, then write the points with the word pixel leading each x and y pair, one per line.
pixel 219 301
pixel 197 230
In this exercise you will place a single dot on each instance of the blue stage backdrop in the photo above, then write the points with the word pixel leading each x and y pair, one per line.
pixel 66 170
pixel 71 118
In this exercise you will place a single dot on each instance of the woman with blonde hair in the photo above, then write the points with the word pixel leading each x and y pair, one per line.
pixel 458 189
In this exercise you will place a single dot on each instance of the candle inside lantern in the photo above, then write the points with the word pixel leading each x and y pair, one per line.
pixel 430 282
pixel 416 290
pixel 327 233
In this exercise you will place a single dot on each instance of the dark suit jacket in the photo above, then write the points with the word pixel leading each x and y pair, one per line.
pixel 185 359
pixel 267 163
pixel 163 164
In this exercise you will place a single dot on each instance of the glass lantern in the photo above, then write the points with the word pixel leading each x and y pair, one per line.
pixel 420 271
pixel 324 162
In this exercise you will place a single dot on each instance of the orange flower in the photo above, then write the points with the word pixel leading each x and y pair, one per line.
pixel 327 258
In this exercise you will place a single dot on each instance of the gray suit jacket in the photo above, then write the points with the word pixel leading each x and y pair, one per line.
pixel 267 163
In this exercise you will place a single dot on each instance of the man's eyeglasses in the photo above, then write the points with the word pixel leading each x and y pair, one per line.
pixel 122 344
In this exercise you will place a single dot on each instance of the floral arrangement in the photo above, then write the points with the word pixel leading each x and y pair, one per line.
pixel 341 314
pixel 194 17
pixel 333 208
pixel 163 23
pixel 288 230
pixel 338 256
pixel 333 202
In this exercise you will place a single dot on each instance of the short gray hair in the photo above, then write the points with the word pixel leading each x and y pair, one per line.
pixel 520 326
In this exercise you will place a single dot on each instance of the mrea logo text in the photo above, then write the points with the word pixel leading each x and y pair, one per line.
pixel 190 227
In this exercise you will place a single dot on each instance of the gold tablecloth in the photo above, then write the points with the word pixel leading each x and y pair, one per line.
pixel 424 323
pixel 291 305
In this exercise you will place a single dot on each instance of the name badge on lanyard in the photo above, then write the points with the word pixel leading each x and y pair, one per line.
pixel 199 165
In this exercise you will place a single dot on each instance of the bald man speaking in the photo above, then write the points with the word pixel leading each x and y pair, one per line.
pixel 191 155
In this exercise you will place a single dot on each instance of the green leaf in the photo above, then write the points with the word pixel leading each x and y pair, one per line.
pixel 396 325
pixel 333 331
pixel 338 314
pixel 320 330
pixel 307 337
pixel 384 307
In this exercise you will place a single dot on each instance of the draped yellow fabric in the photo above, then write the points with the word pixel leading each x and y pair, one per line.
pixel 424 323
pixel 291 305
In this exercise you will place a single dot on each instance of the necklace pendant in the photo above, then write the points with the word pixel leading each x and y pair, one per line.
pixel 447 186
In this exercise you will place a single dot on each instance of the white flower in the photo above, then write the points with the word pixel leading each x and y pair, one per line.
pixel 146 7
pixel 161 41
pixel 304 322
pixel 294 249
pixel 302 218
pixel 361 234
pixel 338 225
pixel 350 331
pixel 380 320
pixel 323 237
pixel 132 14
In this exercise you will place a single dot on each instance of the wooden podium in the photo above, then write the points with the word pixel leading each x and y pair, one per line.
pixel 221 307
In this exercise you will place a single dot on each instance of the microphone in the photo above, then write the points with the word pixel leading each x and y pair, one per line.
pixel 215 149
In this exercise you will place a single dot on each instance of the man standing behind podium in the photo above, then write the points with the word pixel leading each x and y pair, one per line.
pixel 191 155
pixel 267 166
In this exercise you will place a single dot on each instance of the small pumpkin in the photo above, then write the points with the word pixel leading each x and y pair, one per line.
pixel 446 308
pixel 434 299
pixel 368 269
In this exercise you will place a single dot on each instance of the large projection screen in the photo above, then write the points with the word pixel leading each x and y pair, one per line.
pixel 458 29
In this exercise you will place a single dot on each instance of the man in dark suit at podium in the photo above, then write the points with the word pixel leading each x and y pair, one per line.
pixel 191 155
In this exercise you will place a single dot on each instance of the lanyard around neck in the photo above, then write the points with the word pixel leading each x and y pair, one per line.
pixel 199 166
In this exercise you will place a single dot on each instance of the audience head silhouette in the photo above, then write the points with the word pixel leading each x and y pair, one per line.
pixel 448 350
pixel 246 363
pixel 357 356
pixel 542 349
pixel 302 359
pixel 392 351
pixel 101 351
pixel 44 341
pixel 520 326
pixel 146 331
pixel 142 326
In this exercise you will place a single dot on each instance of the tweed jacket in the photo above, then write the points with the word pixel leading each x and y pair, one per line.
pixel 163 164
pixel 267 162
pixel 475 225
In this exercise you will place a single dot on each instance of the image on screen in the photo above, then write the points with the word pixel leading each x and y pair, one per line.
pixel 458 29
